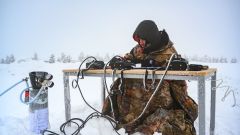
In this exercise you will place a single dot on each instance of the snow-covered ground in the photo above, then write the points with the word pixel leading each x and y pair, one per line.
pixel 14 115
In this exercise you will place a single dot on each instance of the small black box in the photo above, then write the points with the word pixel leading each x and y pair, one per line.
pixel 95 64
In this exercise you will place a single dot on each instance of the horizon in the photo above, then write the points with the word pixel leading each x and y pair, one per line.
pixel 59 58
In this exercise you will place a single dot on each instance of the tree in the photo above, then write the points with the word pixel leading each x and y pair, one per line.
pixel 223 60
pixel 195 58
pixel 52 58
pixel 7 60
pixel 81 56
pixel 35 56
pixel 98 57
pixel 215 60
pixel 63 57
pixel 11 58
pixel 67 59
pixel 234 60
pixel 2 61
pixel 107 57
pixel 205 58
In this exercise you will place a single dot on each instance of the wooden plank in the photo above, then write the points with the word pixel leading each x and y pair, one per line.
pixel 142 72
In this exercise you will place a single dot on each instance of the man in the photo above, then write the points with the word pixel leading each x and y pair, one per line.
pixel 171 111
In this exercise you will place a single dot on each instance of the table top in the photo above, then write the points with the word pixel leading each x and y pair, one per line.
pixel 143 71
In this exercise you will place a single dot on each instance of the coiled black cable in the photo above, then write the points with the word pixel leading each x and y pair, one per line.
pixel 79 126
pixel 92 115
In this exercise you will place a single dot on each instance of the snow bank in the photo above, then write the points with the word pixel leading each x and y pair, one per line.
pixel 14 115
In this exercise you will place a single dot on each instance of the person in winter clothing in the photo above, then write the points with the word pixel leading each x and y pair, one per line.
pixel 171 111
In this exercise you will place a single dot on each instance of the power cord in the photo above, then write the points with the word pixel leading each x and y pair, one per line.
pixel 155 91
pixel 92 115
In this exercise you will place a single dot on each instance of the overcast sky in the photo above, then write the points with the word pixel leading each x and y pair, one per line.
pixel 100 26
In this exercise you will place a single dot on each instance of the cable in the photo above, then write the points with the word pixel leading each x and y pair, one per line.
pixel 79 126
pixel 94 114
pixel 81 71
pixel 108 117
pixel 104 74
pixel 22 92
pixel 106 87
pixel 77 85
pixel 155 91
pixel 227 92
pixel 12 87
pixel 145 79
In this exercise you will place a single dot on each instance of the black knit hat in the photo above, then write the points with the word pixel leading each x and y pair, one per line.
pixel 148 31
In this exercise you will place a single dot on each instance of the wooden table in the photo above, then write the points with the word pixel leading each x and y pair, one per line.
pixel 199 76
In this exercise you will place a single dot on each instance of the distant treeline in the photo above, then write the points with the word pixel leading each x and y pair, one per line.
pixel 64 58
pixel 211 59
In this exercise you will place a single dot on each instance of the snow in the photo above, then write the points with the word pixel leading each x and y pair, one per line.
pixel 14 116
